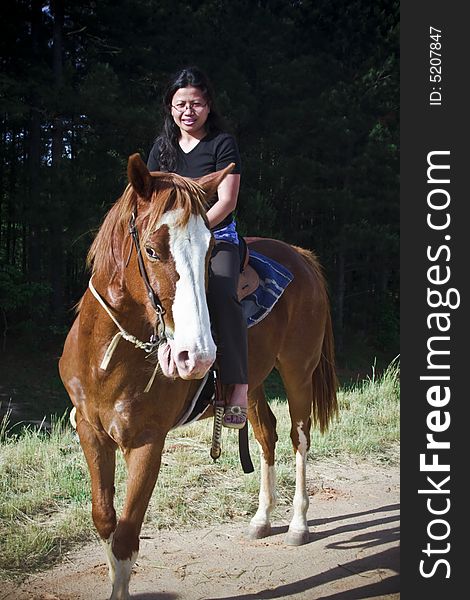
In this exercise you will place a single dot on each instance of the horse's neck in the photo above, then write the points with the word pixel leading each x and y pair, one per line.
pixel 110 306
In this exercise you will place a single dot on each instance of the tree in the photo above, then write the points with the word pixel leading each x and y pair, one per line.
pixel 310 89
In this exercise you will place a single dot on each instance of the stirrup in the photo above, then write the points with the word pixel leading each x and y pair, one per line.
pixel 239 412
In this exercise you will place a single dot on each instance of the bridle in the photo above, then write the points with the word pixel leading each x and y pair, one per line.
pixel 153 297
pixel 159 336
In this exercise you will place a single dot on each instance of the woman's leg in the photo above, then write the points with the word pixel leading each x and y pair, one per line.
pixel 230 327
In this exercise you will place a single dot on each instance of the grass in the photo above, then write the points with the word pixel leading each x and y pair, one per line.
pixel 45 503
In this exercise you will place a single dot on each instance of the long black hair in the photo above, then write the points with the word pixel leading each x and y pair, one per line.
pixel 170 133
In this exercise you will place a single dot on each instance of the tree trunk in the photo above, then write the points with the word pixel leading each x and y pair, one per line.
pixel 339 322
pixel 11 212
pixel 57 255
pixel 34 157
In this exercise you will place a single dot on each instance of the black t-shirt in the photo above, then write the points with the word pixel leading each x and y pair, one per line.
pixel 212 153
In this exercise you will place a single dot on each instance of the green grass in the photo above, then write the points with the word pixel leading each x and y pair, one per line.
pixel 369 420
pixel 45 503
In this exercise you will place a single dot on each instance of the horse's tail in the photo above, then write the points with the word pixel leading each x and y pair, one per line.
pixel 325 382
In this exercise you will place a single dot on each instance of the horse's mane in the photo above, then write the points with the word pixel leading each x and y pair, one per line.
pixel 170 192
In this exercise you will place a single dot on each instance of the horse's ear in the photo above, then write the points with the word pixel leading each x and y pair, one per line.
pixel 139 176
pixel 211 182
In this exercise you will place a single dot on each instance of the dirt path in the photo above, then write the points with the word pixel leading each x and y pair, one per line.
pixel 353 553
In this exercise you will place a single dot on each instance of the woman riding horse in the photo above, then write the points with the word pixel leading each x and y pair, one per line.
pixel 193 144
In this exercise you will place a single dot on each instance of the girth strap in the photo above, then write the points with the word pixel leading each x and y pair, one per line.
pixel 244 449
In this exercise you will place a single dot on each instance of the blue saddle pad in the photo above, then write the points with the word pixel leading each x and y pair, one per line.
pixel 274 278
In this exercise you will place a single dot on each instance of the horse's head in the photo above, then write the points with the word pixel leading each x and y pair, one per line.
pixel 175 245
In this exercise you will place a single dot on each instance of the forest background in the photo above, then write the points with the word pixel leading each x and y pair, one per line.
pixel 310 89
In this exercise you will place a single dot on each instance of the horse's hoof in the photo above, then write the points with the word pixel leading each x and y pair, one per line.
pixel 257 532
pixel 297 538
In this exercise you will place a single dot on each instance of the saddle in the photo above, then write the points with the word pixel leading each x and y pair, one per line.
pixel 249 280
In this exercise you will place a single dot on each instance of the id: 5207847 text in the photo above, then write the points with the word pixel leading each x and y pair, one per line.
pixel 435 66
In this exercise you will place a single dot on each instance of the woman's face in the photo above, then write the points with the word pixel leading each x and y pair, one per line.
pixel 190 109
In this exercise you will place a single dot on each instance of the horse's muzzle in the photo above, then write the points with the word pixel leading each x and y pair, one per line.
pixel 177 362
pixel 192 366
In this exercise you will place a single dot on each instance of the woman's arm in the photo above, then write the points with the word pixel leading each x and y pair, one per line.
pixel 227 193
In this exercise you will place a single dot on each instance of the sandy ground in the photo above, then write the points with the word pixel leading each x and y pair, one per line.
pixel 353 552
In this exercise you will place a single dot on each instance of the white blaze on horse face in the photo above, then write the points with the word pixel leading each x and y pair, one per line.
pixel 193 349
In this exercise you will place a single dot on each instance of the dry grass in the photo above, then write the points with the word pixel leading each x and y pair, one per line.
pixel 45 504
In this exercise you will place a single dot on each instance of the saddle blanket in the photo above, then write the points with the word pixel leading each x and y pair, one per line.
pixel 274 279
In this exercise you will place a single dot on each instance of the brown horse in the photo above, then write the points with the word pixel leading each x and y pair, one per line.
pixel 150 261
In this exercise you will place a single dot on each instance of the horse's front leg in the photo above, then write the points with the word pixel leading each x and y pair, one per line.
pixel 143 464
pixel 100 453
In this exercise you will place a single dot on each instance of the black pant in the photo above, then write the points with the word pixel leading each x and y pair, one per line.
pixel 226 313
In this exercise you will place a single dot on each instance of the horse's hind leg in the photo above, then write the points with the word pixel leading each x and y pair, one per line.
pixel 264 427
pixel 299 388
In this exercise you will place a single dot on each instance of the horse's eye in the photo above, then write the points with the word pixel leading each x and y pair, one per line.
pixel 151 253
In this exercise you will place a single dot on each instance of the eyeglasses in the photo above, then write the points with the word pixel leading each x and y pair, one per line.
pixel 195 106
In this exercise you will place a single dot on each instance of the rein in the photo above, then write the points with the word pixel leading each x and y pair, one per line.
pixel 159 337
